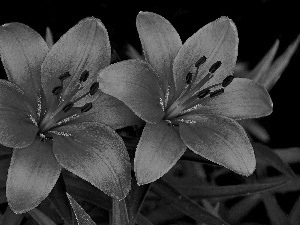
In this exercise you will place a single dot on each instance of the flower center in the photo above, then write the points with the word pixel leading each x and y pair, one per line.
pixel 194 96
pixel 64 111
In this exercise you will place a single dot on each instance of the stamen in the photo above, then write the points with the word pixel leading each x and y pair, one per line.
pixel 57 90
pixel 216 93
pixel 227 81
pixel 203 93
pixel 94 88
pixel 84 76
pixel 64 76
pixel 215 66
pixel 189 77
pixel 200 61
pixel 86 107
pixel 68 106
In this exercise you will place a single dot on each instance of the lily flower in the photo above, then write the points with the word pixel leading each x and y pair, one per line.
pixel 54 116
pixel 188 97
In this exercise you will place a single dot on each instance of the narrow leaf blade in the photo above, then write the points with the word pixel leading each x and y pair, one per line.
pixel 59 200
pixel 82 217
pixel 10 218
pixel 277 216
pixel 267 156
pixel 40 217
pixel 207 191
pixel 184 204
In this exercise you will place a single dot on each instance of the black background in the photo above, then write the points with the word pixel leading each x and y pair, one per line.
pixel 259 23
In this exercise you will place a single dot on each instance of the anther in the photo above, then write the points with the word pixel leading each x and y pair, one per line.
pixel 86 107
pixel 227 81
pixel 188 78
pixel 94 88
pixel 57 90
pixel 84 76
pixel 64 76
pixel 216 93
pixel 68 106
pixel 200 61
pixel 203 93
pixel 215 66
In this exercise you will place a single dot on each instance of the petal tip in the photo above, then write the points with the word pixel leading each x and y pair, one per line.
pixel 250 169
pixel 17 208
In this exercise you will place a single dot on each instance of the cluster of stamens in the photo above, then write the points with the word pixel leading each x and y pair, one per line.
pixel 189 99
pixel 208 90
pixel 65 109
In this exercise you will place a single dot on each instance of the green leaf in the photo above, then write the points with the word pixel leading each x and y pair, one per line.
pixel 259 72
pixel 211 191
pixel 40 217
pixel 58 198
pixel 83 189
pixel 120 213
pixel 5 150
pixel 82 217
pixel 277 216
pixel 135 199
pixel 141 220
pixel 279 65
pixel 185 204
pixel 295 213
pixel 255 129
pixel 267 156
pixel 292 185
pixel 243 207
pixel 2 195
pixel 10 218
pixel 289 155
pixel 4 165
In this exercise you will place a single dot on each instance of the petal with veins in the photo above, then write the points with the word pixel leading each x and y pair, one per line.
pixel 161 44
pixel 136 84
pixel 158 150
pixel 23 51
pixel 217 41
pixel 17 117
pixel 83 47
pixel 94 152
pixel 242 99
pixel 221 140
pixel 32 174
pixel 112 112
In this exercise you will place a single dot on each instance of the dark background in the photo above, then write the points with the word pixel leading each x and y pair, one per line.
pixel 259 23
